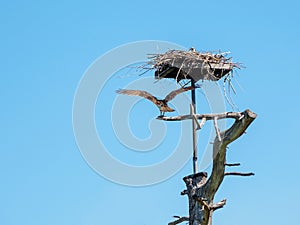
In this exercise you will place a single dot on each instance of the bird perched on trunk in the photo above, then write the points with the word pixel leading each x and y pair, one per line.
pixel 162 104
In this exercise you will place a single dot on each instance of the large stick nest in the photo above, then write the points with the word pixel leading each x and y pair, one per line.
pixel 180 65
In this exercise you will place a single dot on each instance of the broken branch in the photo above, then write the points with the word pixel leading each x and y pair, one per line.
pixel 180 220
pixel 232 164
pixel 217 128
pixel 202 122
pixel 232 115
pixel 218 205
pixel 238 174
pixel 184 192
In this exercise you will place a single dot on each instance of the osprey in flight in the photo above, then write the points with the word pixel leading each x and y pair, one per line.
pixel 161 104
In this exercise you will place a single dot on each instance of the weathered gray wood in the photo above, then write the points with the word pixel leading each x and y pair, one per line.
pixel 200 190
pixel 218 116
pixel 194 183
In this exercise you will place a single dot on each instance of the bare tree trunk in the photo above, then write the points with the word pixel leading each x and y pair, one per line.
pixel 200 190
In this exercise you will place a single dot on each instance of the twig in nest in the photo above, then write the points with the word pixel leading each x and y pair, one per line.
pixel 228 98
pixel 176 79
pixel 230 86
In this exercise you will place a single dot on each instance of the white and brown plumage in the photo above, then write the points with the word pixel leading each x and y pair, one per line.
pixel 162 104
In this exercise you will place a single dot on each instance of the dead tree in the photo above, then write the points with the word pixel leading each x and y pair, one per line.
pixel 194 66
pixel 201 189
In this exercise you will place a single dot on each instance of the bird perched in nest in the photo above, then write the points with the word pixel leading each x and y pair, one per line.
pixel 162 104
pixel 192 49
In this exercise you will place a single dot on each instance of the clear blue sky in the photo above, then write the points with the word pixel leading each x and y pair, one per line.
pixel 45 49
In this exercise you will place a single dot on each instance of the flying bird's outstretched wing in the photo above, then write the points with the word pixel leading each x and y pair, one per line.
pixel 143 94
pixel 172 94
